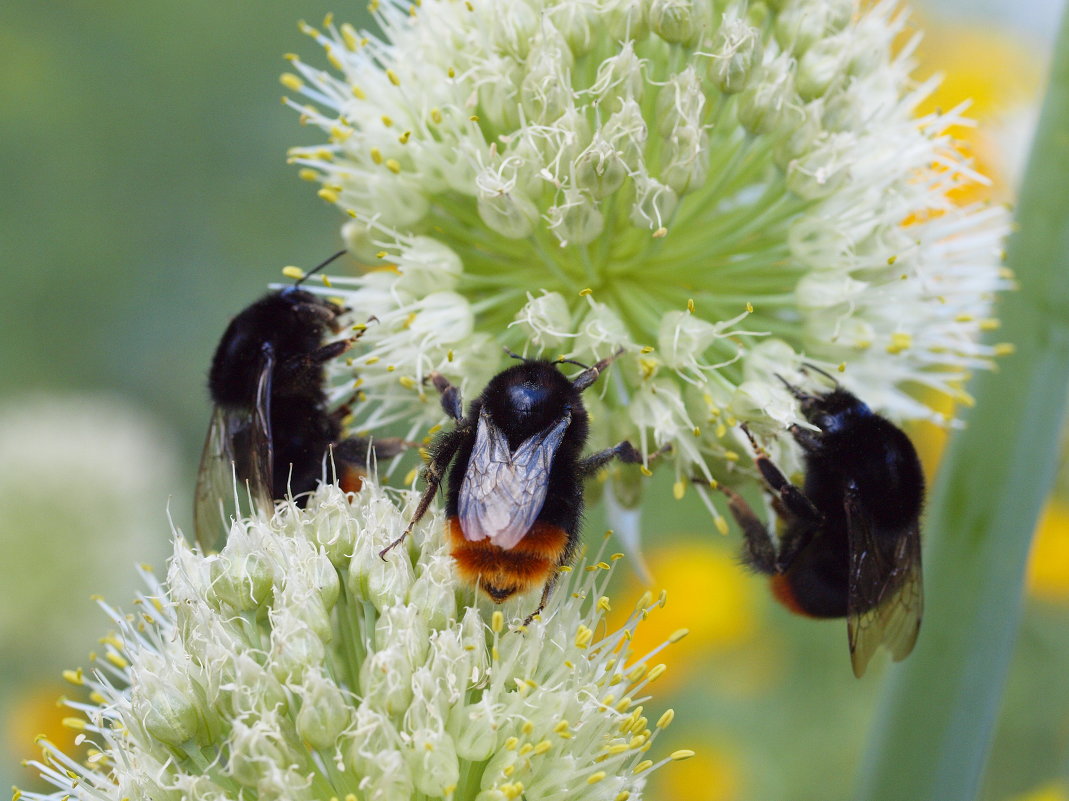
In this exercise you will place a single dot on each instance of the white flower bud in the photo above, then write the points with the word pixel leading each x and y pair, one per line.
pixel 685 158
pixel 428 266
pixel 475 728
pixel 295 646
pixel 601 331
pixel 324 711
pixel 800 23
pixel 166 706
pixel 673 20
pixel 626 133
pixel 386 676
pixel 822 290
pixel 546 320
pixel 819 68
pixel 576 220
pixel 432 760
pixel 654 205
pixel 445 315
pixel 737 53
pixel 579 22
pixel 254 749
pixel 503 207
pixel 824 169
pixel 770 102
pixel 619 79
pixel 241 578
pixel 599 169
pixel 546 90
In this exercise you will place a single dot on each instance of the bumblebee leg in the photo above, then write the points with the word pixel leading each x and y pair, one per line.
pixel 758 550
pixel 623 451
pixel 433 473
pixel 450 396
pixel 792 497
pixel 546 592
pixel 590 374
pixel 809 440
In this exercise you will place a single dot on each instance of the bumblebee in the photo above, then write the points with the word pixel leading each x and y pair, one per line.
pixel 515 472
pixel 850 545
pixel 271 426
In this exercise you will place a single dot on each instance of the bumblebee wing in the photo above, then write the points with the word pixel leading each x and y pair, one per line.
pixel 886 596
pixel 237 446
pixel 503 491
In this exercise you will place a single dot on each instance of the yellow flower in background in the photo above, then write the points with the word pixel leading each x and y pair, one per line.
pixel 713 774
pixel 1048 569
pixel 1054 791
pixel 38 710
pixel 708 593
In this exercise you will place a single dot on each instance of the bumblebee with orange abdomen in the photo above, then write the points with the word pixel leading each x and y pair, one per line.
pixel 515 472
pixel 851 545
pixel 271 426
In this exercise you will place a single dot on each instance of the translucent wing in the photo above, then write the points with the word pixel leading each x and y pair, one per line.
pixel 238 445
pixel 503 491
pixel 886 594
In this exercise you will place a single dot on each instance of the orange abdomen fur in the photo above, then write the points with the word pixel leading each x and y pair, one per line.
pixel 502 573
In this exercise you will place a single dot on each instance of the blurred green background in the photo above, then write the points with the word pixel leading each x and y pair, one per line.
pixel 146 199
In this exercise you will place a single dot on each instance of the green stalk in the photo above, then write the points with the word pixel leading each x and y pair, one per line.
pixel 934 728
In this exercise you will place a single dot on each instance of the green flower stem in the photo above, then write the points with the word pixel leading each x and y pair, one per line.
pixel 934 729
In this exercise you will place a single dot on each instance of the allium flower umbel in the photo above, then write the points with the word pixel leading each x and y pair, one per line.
pixel 298 665
pixel 725 189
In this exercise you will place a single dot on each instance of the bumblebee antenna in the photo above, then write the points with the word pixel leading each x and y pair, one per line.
pixel 795 391
pixel 320 266
pixel 824 373
pixel 513 354
pixel 562 360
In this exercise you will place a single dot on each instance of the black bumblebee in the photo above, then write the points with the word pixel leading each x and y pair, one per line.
pixel 271 426
pixel 851 545
pixel 515 495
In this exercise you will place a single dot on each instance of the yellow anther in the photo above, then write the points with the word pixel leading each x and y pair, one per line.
pixel 393 77
pixel 645 764
pixel 308 174
pixel 497 621
pixel 387 121
pixel 645 470
pixel 542 747
pixel 682 753
pixel 609 700
pixel 678 635
pixel 291 81
pixel 117 660
pixel 660 233
pixel 663 598
pixel 596 777
pixel 403 138
pixel 603 604
pixel 690 305
pixel 584 292
pixel 623 704
pixel 990 324
pixel 656 672
pixel 328 195
pixel 296 273
pixel 333 59
pixel 75 677
pixel 474 118
pixel 528 726
pixel 623 796
pixel 617 748
pixel 359 93
pixel 78 724
pixel 562 726
pixel 393 165
pixel 495 654
pixel 964 318
pixel 97 698
pixel 900 341
pixel 1005 349
pixel 349 35
pixel 749 307
pixel 721 525
pixel 372 360
pixel 525 749
pixel 511 743
pixel 407 381
pixel 842 367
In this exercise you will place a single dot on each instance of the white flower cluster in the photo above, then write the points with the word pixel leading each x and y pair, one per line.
pixel 725 189
pixel 296 664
